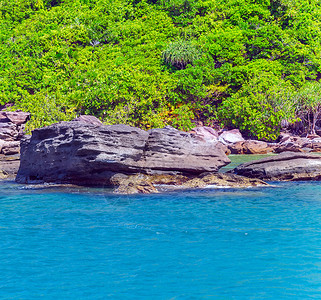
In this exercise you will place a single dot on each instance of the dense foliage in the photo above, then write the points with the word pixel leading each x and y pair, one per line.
pixel 246 64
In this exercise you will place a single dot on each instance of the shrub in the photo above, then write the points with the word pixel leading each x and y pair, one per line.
pixel 180 53
pixel 259 107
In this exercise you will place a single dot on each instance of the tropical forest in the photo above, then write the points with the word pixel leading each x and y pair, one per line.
pixel 251 65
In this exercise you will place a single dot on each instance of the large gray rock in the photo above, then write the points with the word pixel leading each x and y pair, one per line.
pixel 82 153
pixel 285 166
pixel 169 149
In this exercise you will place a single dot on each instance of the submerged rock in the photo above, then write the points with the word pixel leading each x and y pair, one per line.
pixel 146 184
pixel 286 166
pixel 87 154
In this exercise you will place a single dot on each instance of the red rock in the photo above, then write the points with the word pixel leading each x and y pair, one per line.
pixel 237 148
pixel 256 147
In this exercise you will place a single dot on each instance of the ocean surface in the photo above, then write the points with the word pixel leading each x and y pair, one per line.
pixel 80 243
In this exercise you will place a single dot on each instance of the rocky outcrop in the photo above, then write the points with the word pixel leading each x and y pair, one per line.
pixel 169 149
pixel 83 153
pixel 286 166
pixel 146 184
pixel 250 147
pixel 11 131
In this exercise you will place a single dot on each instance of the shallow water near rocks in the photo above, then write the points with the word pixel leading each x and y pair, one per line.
pixel 80 243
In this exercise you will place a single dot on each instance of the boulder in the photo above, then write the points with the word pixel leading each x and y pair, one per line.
pixel 285 166
pixel 236 148
pixel 230 137
pixel 17 117
pixel 89 120
pixel 87 154
pixel 250 147
pixel 289 147
pixel 8 131
pixel 10 148
pixel 206 133
pixel 3 117
pixel 256 147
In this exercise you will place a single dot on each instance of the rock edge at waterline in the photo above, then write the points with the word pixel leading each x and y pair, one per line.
pixel 83 153
pixel 146 184
pixel 287 166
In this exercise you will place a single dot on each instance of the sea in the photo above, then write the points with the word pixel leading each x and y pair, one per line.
pixel 87 243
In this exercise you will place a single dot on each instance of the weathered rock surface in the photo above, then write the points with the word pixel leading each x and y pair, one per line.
pixel 145 184
pixel 9 166
pixel 168 149
pixel 10 148
pixel 250 147
pixel 230 137
pixel 17 117
pixel 205 133
pixel 11 131
pixel 89 120
pixel 82 153
pixel 286 166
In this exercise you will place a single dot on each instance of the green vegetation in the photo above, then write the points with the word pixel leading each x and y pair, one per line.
pixel 150 63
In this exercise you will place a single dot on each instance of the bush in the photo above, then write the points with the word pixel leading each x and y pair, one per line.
pixel 259 107
pixel 180 53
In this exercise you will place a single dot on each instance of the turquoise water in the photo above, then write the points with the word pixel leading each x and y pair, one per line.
pixel 262 243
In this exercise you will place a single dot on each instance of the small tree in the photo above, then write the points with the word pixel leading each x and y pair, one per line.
pixel 180 53
pixel 259 107
pixel 309 109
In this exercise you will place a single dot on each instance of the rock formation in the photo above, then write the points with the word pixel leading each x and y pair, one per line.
pixel 250 147
pixel 286 166
pixel 145 184
pixel 85 153
pixel 11 131
pixel 230 137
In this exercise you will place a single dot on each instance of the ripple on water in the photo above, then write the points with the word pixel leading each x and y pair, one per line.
pixel 80 243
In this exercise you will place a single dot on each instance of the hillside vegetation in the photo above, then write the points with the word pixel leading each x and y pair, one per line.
pixel 239 63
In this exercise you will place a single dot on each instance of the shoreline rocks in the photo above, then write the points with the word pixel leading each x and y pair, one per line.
pixel 236 144
pixel 87 154
pixel 146 184
pixel 11 131
pixel 9 166
pixel 287 166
